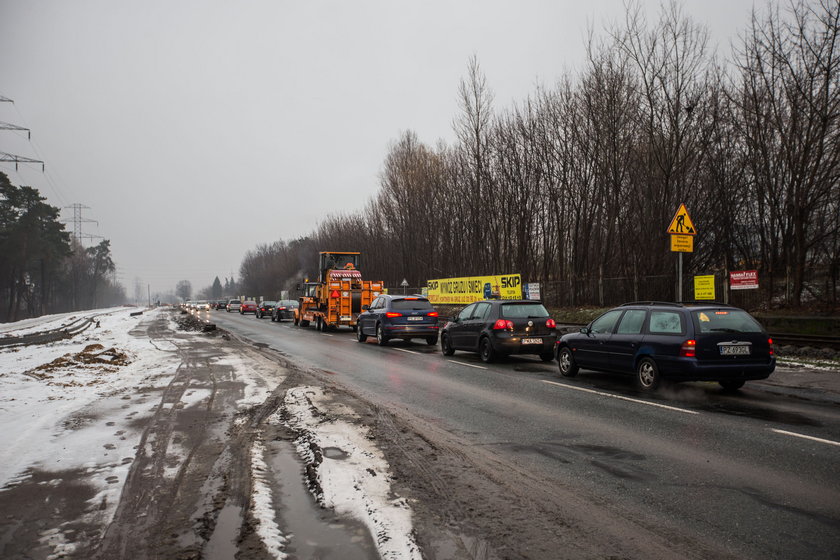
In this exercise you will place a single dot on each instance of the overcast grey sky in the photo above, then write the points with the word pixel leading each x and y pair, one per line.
pixel 196 130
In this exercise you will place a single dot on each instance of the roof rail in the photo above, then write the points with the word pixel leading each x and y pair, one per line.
pixel 707 302
pixel 669 303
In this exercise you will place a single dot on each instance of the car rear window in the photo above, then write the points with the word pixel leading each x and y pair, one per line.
pixel 725 321
pixel 523 311
pixel 666 322
pixel 411 304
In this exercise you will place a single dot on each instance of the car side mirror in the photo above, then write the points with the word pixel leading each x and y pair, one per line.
pixel 454 319
pixel 365 307
pixel 584 330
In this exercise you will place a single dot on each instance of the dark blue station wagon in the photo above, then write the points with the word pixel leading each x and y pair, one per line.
pixel 681 342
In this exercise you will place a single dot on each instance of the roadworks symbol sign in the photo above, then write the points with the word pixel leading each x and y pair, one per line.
pixel 682 224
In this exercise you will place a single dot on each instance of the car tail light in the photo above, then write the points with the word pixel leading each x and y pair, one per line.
pixel 281 308
pixel 551 324
pixel 770 345
pixel 432 314
pixel 503 324
pixel 688 349
pixel 393 314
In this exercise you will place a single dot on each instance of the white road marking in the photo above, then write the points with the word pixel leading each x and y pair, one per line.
pixel 803 436
pixel 404 350
pixel 465 364
pixel 325 334
pixel 665 406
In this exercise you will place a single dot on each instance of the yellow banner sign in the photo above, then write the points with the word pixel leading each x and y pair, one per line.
pixel 461 291
pixel 704 287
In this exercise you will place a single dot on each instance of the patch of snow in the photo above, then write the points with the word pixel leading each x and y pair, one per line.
pixel 262 506
pixel 358 484
pixel 810 365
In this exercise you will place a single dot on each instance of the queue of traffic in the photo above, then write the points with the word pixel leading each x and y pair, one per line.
pixel 654 342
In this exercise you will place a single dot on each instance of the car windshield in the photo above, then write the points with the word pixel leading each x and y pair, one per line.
pixel 411 304
pixel 725 321
pixel 524 311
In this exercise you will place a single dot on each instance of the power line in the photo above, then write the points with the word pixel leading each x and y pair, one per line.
pixel 9 126
pixel 12 158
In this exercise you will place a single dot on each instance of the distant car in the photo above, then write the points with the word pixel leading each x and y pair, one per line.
pixel 219 304
pixel 284 309
pixel 248 306
pixel 202 305
pixel 233 305
pixel 264 308
pixel 683 342
pixel 393 316
pixel 495 328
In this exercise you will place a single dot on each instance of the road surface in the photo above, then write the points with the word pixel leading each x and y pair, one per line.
pixel 526 460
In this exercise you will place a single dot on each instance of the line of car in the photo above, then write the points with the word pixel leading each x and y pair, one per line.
pixel 276 310
pixel 652 341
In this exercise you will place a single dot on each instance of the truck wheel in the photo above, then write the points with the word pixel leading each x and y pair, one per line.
pixel 381 338
pixel 296 321
pixel 304 323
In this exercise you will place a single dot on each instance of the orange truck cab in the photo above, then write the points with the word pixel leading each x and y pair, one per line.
pixel 338 296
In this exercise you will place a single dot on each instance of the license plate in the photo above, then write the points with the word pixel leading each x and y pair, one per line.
pixel 345 317
pixel 531 341
pixel 735 350
pixel 415 318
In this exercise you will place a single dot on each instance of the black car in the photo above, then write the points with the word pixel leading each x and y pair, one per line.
pixel 284 309
pixel 683 342
pixel 393 316
pixel 265 308
pixel 496 328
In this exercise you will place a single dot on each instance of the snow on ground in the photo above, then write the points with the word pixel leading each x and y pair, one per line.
pixel 47 322
pixel 270 534
pixel 47 392
pixel 356 484
pixel 78 405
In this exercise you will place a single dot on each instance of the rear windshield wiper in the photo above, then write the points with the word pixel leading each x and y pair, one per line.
pixel 725 329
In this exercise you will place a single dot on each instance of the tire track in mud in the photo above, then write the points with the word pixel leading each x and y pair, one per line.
pixel 190 462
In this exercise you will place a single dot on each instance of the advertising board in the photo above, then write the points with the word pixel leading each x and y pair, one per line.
pixel 743 280
pixel 461 291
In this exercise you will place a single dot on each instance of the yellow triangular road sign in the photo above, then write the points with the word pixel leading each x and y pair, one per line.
pixel 682 224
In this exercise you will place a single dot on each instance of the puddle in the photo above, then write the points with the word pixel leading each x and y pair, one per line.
pixel 313 532
pixel 222 543
pixel 334 453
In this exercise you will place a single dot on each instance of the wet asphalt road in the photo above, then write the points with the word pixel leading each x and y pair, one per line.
pixel 730 473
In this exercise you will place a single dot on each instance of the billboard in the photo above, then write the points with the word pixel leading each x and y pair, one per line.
pixel 461 291
pixel 743 280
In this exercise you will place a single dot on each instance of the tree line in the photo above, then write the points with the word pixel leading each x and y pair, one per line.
pixel 42 269
pixel 575 186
